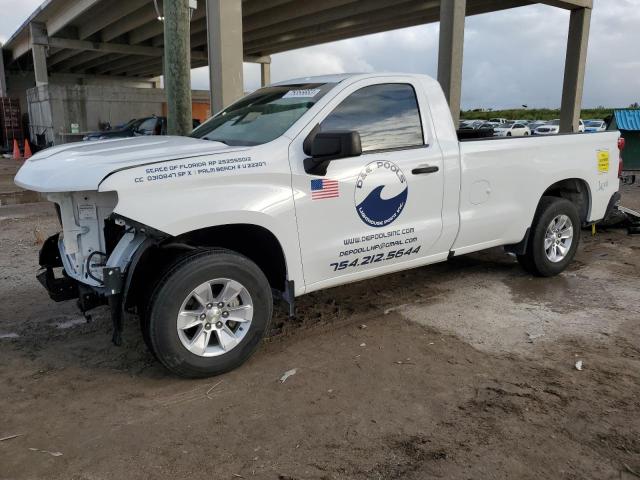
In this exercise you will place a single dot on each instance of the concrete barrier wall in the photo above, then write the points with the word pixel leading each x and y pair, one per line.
pixel 54 107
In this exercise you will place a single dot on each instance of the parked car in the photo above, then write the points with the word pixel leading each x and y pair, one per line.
pixel 535 124
pixel 498 120
pixel 592 126
pixel 550 128
pixel 144 126
pixel 471 124
pixel 126 130
pixel 553 127
pixel 511 130
pixel 300 186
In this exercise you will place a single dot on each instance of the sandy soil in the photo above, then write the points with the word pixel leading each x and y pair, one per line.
pixel 458 370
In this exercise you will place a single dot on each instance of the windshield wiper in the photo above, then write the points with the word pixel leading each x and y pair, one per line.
pixel 216 140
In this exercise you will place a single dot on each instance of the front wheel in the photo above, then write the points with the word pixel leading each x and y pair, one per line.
pixel 209 313
pixel 553 238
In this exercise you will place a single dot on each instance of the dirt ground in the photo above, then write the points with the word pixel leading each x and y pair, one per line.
pixel 463 370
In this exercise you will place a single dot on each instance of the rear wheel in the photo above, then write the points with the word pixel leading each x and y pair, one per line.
pixel 209 313
pixel 553 238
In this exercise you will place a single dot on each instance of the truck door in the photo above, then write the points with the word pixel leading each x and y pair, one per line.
pixel 378 212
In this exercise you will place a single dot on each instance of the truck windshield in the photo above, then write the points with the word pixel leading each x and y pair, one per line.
pixel 262 116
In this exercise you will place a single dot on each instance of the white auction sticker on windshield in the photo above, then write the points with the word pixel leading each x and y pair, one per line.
pixel 302 93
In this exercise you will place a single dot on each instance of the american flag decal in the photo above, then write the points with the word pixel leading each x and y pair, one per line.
pixel 324 188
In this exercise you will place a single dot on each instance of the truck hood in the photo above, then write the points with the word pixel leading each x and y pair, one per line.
pixel 83 165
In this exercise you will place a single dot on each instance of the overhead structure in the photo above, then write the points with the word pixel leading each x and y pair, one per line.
pixel 125 38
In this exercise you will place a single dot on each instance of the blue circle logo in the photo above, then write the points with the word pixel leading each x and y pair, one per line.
pixel 381 193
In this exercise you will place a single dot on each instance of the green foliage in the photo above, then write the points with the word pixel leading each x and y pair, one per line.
pixel 534 114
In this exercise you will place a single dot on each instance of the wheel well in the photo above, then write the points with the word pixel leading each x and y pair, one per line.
pixel 576 191
pixel 252 241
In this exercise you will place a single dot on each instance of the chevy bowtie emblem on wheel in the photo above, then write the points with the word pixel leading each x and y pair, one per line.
pixel 381 193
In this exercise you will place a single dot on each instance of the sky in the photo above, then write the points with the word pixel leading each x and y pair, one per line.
pixel 511 58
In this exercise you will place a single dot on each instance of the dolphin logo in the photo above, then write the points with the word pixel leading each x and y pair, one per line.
pixel 379 212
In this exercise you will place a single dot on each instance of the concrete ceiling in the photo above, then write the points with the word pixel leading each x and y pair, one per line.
pixel 125 37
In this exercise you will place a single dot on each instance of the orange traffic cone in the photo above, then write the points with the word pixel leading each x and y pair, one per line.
pixel 27 149
pixel 16 150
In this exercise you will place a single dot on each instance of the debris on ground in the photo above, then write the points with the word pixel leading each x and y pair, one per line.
pixel 208 394
pixel 10 437
pixel 363 344
pixel 288 374
pixel 579 365
pixel 404 362
pixel 393 309
pixel 630 470
pixel 623 217
pixel 9 335
pixel 362 327
pixel 53 454
pixel 533 336
pixel 71 322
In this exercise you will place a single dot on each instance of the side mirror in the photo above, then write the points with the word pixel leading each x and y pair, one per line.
pixel 336 144
pixel 332 145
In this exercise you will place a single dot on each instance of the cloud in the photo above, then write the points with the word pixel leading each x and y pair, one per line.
pixel 14 12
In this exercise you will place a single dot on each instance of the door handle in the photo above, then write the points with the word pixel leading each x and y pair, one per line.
pixel 425 169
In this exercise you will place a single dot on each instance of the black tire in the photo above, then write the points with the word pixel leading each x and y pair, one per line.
pixel 176 285
pixel 508 134
pixel 535 259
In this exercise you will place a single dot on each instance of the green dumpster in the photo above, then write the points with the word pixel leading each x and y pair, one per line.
pixel 628 122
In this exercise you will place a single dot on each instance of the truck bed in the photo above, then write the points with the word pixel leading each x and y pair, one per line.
pixel 502 179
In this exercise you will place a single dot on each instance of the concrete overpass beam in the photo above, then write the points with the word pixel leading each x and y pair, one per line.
pixel 574 68
pixel 225 50
pixel 450 53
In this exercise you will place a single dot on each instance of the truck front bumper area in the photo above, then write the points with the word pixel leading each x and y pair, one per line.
pixel 61 289
pixel 112 290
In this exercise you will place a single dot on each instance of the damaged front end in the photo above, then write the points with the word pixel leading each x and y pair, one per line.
pixel 89 260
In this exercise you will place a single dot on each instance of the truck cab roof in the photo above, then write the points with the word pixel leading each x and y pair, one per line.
pixel 340 77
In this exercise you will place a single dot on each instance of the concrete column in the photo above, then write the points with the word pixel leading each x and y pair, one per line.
pixel 40 64
pixel 452 16
pixel 224 40
pixel 39 45
pixel 574 67
pixel 177 66
pixel 265 74
pixel 3 76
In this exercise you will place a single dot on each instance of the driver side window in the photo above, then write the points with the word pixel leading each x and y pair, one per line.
pixel 386 116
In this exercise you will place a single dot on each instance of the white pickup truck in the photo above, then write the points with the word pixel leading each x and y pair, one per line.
pixel 302 185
